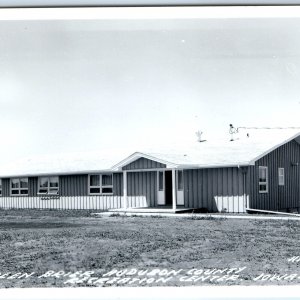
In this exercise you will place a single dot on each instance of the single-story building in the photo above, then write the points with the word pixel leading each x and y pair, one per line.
pixel 217 176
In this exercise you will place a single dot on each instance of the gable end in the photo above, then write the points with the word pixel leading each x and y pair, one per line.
pixel 144 163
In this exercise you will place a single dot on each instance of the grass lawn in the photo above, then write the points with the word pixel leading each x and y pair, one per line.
pixel 70 241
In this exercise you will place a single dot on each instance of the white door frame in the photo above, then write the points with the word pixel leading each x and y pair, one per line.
pixel 161 198
pixel 179 188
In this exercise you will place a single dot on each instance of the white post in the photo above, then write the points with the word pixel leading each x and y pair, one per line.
pixel 125 189
pixel 174 189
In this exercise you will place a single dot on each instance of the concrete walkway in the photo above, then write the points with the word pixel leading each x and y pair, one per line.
pixel 195 216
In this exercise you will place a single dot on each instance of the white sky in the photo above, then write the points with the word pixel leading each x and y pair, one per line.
pixel 70 86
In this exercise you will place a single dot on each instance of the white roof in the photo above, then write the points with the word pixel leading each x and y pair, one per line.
pixel 221 152
pixel 64 163
pixel 211 153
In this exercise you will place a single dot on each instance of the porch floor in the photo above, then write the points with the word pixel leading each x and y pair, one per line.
pixel 165 209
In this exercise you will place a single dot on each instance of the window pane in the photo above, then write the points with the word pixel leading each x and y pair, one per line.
pixel 54 181
pixel 15 192
pixel 43 191
pixel 24 192
pixel 262 174
pixel 53 191
pixel 161 181
pixel 94 180
pixel 107 190
pixel 180 180
pixel 281 176
pixel 15 183
pixel 44 182
pixel 0 183
pixel 95 190
pixel 262 187
pixel 106 180
pixel 24 182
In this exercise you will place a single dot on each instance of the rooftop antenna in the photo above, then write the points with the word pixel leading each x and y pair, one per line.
pixel 199 136
pixel 232 131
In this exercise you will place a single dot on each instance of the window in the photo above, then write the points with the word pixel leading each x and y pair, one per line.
pixel 263 179
pixel 160 180
pixel 0 187
pixel 48 185
pixel 280 176
pixel 180 180
pixel 19 186
pixel 101 184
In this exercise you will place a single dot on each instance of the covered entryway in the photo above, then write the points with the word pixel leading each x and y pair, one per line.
pixel 170 188
pixel 151 183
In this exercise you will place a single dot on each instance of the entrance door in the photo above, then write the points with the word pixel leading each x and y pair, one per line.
pixel 164 183
pixel 179 182
pixel 161 200
pixel 168 187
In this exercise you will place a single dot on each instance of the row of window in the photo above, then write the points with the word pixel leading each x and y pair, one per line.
pixel 263 179
pixel 102 184
pixel 99 184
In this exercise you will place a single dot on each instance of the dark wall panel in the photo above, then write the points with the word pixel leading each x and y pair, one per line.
pixel 6 187
pixel 118 184
pixel 214 189
pixel 73 185
pixel 278 197
pixel 32 186
pixel 143 163
pixel 143 184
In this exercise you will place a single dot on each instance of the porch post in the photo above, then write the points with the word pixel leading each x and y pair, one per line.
pixel 125 188
pixel 173 189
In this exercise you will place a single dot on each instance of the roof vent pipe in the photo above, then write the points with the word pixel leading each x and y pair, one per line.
pixel 199 136
pixel 232 131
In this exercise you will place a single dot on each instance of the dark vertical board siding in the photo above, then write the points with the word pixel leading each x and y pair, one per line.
pixel 214 189
pixel 73 185
pixel 240 190
pixel 279 197
pixel 204 188
pixel 220 187
pixel 6 187
pixel 190 190
pixel 143 184
pixel 235 188
pixel 194 184
pixel 118 184
pixel 225 192
pixel 32 186
pixel 185 190
pixel 143 163
pixel 209 194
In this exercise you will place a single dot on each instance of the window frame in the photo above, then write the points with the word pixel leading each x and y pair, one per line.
pixel 19 188
pixel 0 187
pixel 161 181
pixel 281 176
pixel 266 184
pixel 182 181
pixel 101 186
pixel 48 188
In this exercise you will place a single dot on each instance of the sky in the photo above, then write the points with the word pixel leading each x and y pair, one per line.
pixel 89 85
